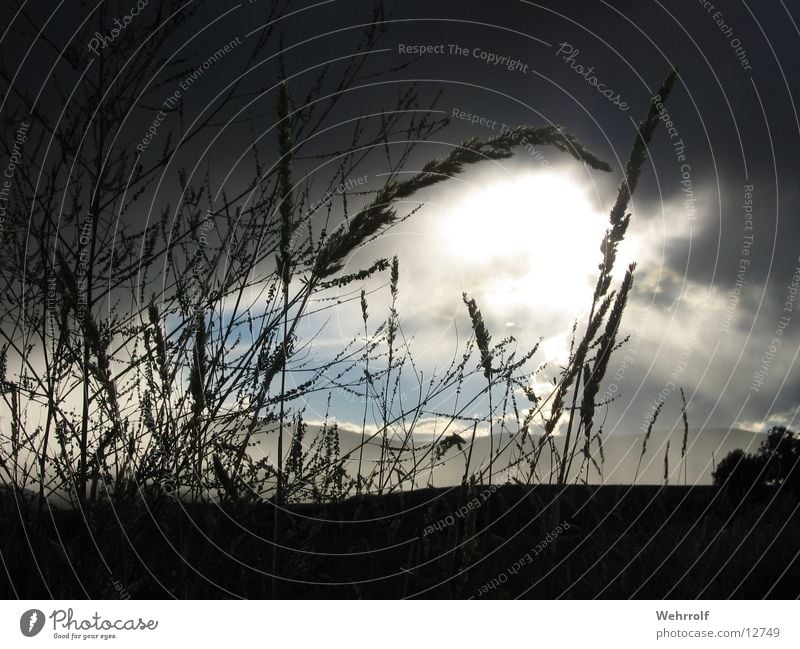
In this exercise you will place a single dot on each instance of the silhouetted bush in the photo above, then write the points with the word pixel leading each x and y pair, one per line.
pixel 739 471
pixel 774 464
pixel 781 453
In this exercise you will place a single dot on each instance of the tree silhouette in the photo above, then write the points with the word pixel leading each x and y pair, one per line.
pixel 781 453
pixel 739 471
pixel 773 464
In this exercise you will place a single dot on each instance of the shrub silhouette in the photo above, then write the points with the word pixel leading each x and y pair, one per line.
pixel 739 471
pixel 773 464
pixel 781 451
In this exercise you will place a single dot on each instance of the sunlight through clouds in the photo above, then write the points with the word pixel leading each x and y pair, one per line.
pixel 523 236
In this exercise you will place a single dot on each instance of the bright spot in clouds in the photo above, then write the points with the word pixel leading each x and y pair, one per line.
pixel 534 240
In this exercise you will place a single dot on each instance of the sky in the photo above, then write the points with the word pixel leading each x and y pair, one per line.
pixel 714 228
pixel 714 218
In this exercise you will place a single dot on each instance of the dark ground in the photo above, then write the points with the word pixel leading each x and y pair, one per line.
pixel 608 542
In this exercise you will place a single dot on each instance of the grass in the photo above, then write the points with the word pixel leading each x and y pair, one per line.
pixel 143 422
pixel 154 414
pixel 616 546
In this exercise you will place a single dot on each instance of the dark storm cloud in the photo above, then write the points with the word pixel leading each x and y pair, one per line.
pixel 735 133
pixel 733 115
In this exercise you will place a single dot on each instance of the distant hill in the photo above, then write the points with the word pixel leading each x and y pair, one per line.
pixel 705 448
pixel 621 451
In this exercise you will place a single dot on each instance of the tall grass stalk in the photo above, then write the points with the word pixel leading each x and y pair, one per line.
pixel 646 438
pixel 284 267
pixel 684 442
pixel 619 220
pixel 483 340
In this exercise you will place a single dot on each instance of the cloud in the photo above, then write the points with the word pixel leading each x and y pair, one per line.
pixel 697 321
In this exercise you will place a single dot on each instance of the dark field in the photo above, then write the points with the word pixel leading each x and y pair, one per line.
pixel 504 542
